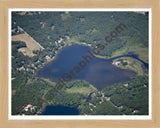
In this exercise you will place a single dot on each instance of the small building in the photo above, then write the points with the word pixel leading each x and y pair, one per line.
pixel 48 58
pixel 26 109
pixel 126 85
pixel 21 68
pixel 135 111
pixel 60 40
pixel 145 85
pixel 30 107
pixel 107 98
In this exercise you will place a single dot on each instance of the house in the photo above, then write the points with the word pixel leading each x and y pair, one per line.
pixel 33 108
pixel 56 43
pixel 120 107
pixel 135 111
pixel 60 40
pixel 26 109
pixel 118 62
pixel 145 85
pixel 42 24
pixel 30 107
pixel 48 58
pixel 21 68
pixel 126 85
pixel 13 78
pixel 107 98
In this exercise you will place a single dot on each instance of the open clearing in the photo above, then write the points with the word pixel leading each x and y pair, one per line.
pixel 32 45
pixel 82 90
pixel 138 49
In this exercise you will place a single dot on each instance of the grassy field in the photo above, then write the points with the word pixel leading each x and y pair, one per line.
pixel 74 39
pixel 141 51
pixel 82 90
pixel 30 42
pixel 50 82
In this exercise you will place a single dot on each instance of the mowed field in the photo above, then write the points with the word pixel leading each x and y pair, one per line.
pixel 32 45
pixel 82 90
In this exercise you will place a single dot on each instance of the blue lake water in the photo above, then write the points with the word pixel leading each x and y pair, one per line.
pixel 98 72
pixel 59 110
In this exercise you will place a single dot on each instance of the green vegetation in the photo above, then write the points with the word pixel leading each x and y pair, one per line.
pixel 54 30
pixel 82 90
pixel 138 48
pixel 130 63
pixel 129 98
pixel 65 16
pixel 90 28
pixel 132 95
pixel 27 91
pixel 105 108
pixel 72 94
pixel 31 44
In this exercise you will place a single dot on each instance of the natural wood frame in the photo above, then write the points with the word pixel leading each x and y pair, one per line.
pixel 6 4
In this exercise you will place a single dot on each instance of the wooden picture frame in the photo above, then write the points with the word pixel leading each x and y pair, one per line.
pixel 5 122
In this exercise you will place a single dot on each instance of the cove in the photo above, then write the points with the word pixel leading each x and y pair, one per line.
pixel 99 72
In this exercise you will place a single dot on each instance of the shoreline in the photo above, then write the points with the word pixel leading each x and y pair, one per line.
pixel 98 56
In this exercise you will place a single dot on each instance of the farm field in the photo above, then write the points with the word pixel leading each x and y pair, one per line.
pixel 32 45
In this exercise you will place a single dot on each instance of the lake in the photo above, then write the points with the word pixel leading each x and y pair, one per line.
pixel 59 110
pixel 98 72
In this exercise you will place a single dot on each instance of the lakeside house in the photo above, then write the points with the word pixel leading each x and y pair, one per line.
pixel 30 107
pixel 116 63
pixel 48 58
pixel 122 61
pixel 60 40
pixel 126 85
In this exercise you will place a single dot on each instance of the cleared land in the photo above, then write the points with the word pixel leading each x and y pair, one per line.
pixel 82 90
pixel 32 45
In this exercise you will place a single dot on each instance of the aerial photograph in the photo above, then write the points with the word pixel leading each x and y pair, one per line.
pixel 79 63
